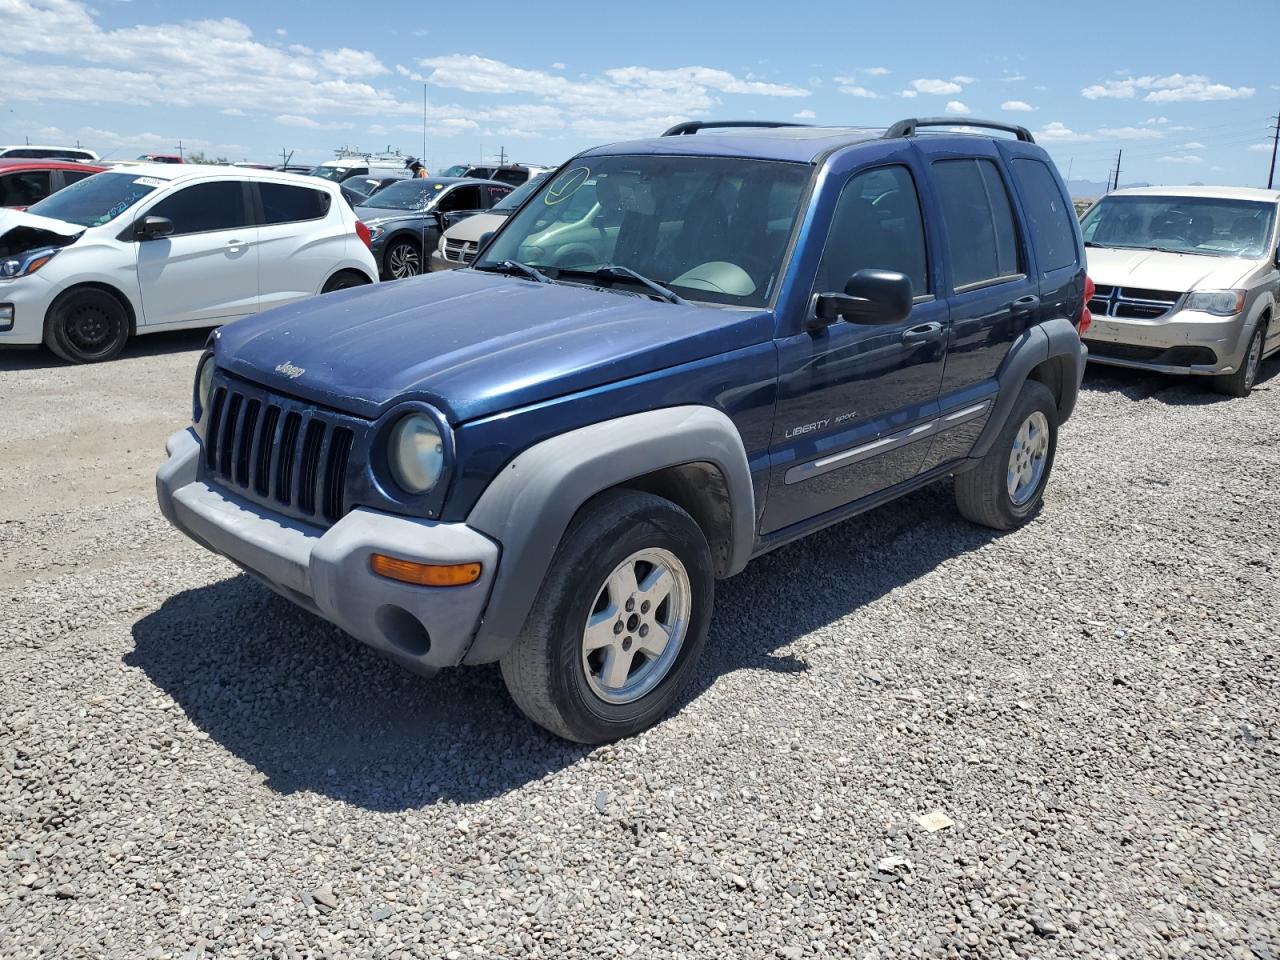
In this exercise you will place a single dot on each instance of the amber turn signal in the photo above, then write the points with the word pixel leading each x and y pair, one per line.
pixel 424 574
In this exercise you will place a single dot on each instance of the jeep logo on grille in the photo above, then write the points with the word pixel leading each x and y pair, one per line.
pixel 290 371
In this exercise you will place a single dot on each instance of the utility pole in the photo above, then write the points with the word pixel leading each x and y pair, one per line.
pixel 1119 154
pixel 1275 141
pixel 423 158
pixel 181 155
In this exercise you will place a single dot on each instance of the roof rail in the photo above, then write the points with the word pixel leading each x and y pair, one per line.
pixel 909 127
pixel 693 126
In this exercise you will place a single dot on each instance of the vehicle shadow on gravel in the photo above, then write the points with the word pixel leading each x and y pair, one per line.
pixel 1176 391
pixel 152 345
pixel 313 710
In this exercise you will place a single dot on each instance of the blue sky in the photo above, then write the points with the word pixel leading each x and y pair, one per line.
pixel 1186 95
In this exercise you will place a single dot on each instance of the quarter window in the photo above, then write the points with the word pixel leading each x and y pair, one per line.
pixel 203 207
pixel 286 203
pixel 877 225
pixel 981 236
pixel 1049 216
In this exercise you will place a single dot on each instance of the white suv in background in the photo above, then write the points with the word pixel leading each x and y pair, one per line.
pixel 1187 281
pixel 163 247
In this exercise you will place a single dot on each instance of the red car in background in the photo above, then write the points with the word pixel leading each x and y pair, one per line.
pixel 24 182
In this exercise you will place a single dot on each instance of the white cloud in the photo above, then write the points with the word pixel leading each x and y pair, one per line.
pixel 1193 145
pixel 1260 148
pixel 1017 106
pixel 939 87
pixel 876 71
pixel 1156 120
pixel 281 32
pixel 232 112
pixel 1173 88
pixel 622 102
pixel 1012 78
pixel 857 91
pixel 955 106
pixel 557 66
pixel 908 94
pixel 1189 159
pixel 804 115
pixel 306 123
pixel 1059 132
pixel 963 80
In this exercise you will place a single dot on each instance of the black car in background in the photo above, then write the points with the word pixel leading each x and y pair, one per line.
pixel 357 190
pixel 407 217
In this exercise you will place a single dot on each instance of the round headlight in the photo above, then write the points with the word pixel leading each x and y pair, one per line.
pixel 204 385
pixel 416 453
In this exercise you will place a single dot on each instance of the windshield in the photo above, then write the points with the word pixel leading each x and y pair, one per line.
pixel 406 195
pixel 96 200
pixel 457 170
pixel 710 228
pixel 336 174
pixel 516 196
pixel 1208 226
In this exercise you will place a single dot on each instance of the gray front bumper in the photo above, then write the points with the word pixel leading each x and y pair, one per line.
pixel 327 571
pixel 1227 337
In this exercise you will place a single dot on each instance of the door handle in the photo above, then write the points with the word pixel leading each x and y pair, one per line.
pixel 1024 305
pixel 922 332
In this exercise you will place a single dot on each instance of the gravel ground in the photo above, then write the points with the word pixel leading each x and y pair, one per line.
pixel 190 766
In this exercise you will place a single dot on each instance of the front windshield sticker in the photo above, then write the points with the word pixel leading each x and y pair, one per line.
pixel 149 181
pixel 566 186
pixel 439 186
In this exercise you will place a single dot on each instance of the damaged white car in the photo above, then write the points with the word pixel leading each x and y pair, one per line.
pixel 158 247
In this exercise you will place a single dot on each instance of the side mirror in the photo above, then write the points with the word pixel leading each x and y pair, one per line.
pixel 1277 258
pixel 871 296
pixel 484 238
pixel 152 228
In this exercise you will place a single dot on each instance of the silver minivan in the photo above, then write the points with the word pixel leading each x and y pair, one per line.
pixel 1186 281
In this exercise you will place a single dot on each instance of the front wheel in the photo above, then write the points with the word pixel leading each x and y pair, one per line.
pixel 619 624
pixel 1240 383
pixel 86 326
pixel 1006 488
pixel 404 259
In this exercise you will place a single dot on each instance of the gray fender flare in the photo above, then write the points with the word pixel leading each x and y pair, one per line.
pixel 1052 338
pixel 529 505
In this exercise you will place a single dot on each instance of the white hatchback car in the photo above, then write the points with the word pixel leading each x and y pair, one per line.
pixel 162 247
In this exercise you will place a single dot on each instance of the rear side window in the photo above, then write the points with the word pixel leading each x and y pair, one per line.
pixel 286 203
pixel 877 225
pixel 73 176
pixel 203 207
pixel 24 189
pixel 981 237
pixel 1049 217
pixel 496 193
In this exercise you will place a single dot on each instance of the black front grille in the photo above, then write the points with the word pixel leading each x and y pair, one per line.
pixel 278 451
pixel 1132 303
pixel 1164 356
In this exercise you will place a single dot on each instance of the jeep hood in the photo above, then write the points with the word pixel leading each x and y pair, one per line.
pixel 1156 270
pixel 473 344
pixel 21 231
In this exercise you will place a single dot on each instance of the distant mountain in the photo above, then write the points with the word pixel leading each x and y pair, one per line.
pixel 1092 189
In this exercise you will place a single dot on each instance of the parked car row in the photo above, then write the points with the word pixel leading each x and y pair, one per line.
pixel 155 247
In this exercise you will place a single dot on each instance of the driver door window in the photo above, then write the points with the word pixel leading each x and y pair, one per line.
pixel 460 199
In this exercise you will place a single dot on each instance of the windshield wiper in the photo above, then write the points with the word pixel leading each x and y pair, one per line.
pixel 514 268
pixel 613 271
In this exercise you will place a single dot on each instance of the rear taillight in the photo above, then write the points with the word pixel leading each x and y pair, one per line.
pixel 1086 318
pixel 363 233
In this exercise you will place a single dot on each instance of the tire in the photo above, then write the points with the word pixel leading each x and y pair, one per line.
pixel 1026 444
pixel 1240 383
pixel 87 326
pixel 403 259
pixel 574 682
pixel 344 281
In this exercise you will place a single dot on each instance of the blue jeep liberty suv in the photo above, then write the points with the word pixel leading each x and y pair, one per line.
pixel 677 354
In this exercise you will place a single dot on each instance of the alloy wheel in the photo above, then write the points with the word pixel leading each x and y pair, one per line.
pixel 1028 457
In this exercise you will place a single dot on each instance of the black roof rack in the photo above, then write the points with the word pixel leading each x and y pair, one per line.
pixel 908 128
pixel 693 126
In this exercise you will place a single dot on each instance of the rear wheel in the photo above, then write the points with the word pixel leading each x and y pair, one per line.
pixel 87 326
pixel 1240 383
pixel 344 281
pixel 620 622
pixel 1006 488
pixel 403 259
